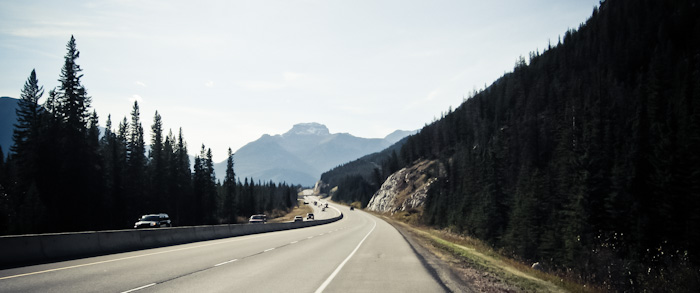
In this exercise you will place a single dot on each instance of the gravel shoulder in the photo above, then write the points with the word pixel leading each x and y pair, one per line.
pixel 463 269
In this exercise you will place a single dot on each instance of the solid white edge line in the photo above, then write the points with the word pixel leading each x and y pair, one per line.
pixel 332 276
pixel 269 249
pixel 139 288
pixel 293 242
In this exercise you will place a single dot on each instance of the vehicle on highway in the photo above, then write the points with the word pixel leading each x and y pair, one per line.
pixel 298 219
pixel 153 221
pixel 315 203
pixel 309 216
pixel 352 208
pixel 257 219
pixel 323 209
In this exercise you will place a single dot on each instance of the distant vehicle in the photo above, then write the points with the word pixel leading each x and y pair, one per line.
pixel 309 216
pixel 153 221
pixel 352 208
pixel 298 219
pixel 315 203
pixel 323 209
pixel 257 219
pixel 306 202
pixel 326 204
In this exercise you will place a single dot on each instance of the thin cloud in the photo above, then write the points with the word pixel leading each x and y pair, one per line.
pixel 139 83
pixel 209 84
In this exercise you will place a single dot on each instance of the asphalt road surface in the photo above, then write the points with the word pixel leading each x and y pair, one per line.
pixel 359 253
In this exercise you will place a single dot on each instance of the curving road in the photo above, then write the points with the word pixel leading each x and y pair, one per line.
pixel 359 253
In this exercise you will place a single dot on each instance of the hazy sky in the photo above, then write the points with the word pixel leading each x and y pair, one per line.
pixel 229 71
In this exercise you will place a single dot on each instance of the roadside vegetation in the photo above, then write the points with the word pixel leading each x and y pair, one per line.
pixel 583 158
pixel 64 169
pixel 300 209
pixel 479 265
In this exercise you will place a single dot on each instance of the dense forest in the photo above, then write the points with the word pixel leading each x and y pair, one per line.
pixel 62 174
pixel 585 157
pixel 360 178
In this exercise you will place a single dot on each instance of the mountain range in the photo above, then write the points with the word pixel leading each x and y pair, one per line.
pixel 300 155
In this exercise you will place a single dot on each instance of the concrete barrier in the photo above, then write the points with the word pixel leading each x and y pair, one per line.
pixel 62 245
pixel 204 233
pixel 115 241
pixel 156 237
pixel 222 231
pixel 40 248
pixel 183 235
pixel 19 249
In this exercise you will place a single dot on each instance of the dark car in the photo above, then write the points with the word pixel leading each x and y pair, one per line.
pixel 257 219
pixel 153 221
pixel 352 208
pixel 309 216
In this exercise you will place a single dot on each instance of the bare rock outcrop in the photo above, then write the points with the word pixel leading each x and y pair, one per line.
pixel 404 190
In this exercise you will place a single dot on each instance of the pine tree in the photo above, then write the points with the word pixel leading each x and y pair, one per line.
pixel 70 169
pixel 167 170
pixel 183 181
pixel 72 97
pixel 26 133
pixel 229 189
pixel 156 166
pixel 136 166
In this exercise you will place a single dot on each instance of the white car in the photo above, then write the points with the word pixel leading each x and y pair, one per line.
pixel 257 219
pixel 298 219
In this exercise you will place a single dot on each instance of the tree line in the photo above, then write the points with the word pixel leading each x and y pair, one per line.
pixel 585 157
pixel 62 174
pixel 358 180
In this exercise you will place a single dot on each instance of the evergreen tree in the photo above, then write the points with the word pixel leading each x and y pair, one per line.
pixel 183 181
pixel 138 198
pixel 156 164
pixel 70 163
pixel 26 133
pixel 229 188
pixel 72 98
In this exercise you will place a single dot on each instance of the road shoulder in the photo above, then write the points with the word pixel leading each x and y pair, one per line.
pixel 440 269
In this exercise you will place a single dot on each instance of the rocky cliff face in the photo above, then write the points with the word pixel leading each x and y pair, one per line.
pixel 405 189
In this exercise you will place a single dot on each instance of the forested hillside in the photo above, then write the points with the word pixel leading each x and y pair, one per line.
pixel 587 156
pixel 357 180
pixel 63 175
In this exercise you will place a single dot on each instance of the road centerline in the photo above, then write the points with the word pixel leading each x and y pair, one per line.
pixel 139 288
pixel 332 276
pixel 226 262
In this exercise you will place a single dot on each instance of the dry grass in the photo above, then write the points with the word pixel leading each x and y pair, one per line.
pixel 300 210
pixel 481 266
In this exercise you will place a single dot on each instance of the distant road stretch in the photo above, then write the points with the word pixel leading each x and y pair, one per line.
pixel 359 253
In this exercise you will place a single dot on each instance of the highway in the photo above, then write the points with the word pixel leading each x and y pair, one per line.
pixel 359 253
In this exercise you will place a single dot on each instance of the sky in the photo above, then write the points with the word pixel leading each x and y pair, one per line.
pixel 227 72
